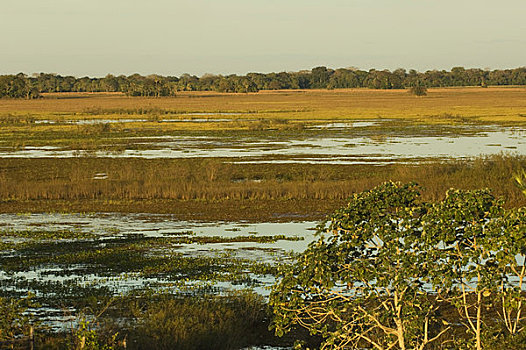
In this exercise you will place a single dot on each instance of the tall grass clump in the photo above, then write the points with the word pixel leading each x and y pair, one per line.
pixel 212 322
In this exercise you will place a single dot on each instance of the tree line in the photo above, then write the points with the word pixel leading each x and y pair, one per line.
pixel 23 86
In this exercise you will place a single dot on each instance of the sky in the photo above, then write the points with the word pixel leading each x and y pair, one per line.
pixel 172 37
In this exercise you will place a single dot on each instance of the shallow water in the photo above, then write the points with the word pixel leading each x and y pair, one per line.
pixel 45 281
pixel 333 125
pixel 375 149
pixel 110 226
pixel 145 224
pixel 340 125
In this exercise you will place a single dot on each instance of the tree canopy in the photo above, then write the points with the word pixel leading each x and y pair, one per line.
pixel 389 271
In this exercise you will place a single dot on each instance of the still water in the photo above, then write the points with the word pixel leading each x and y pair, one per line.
pixel 341 149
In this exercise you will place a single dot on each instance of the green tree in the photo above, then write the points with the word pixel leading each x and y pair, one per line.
pixel 386 266
pixel 511 258
pixel 320 77
pixel 418 90
pixel 361 284
pixel 470 231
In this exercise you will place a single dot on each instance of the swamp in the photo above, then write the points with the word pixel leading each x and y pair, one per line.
pixel 138 222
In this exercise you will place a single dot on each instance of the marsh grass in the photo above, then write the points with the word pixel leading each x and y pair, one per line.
pixel 46 235
pixel 164 321
pixel 201 323
pixel 16 120
pixel 135 255
pixel 212 180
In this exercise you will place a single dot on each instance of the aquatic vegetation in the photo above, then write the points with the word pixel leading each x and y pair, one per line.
pixel 163 321
pixel 225 322
pixel 84 271
pixel 46 235
pixel 15 321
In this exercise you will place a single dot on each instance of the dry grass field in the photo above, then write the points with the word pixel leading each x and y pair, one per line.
pixel 441 105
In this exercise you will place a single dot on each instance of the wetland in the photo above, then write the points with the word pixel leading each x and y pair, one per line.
pixel 130 212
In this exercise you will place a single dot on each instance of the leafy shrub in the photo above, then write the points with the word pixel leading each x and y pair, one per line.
pixel 15 322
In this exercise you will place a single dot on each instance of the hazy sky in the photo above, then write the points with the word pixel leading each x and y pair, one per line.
pixel 171 37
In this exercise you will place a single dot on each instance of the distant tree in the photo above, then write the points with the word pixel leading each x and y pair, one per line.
pixel 18 86
pixel 21 86
pixel 344 78
pixel 418 90
pixel 208 82
pixel 244 84
pixel 319 78
pixel 110 83
pixel 274 85
pixel 383 80
pixel 302 80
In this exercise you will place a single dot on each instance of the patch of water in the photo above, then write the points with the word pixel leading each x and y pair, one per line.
pixel 345 125
pixel 87 121
pixel 152 225
pixel 110 226
pixel 45 280
pixel 344 150
pixel 213 113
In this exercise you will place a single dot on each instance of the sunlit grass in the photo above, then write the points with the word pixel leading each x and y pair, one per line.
pixel 187 186
pixel 494 104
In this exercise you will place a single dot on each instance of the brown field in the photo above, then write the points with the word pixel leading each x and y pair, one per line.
pixel 442 105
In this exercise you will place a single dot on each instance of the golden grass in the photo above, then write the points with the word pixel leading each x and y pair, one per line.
pixel 210 180
pixel 441 105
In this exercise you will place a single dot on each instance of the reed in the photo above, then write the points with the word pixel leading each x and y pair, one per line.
pixel 213 180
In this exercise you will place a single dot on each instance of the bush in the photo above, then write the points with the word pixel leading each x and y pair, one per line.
pixel 15 321
pixel 418 90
